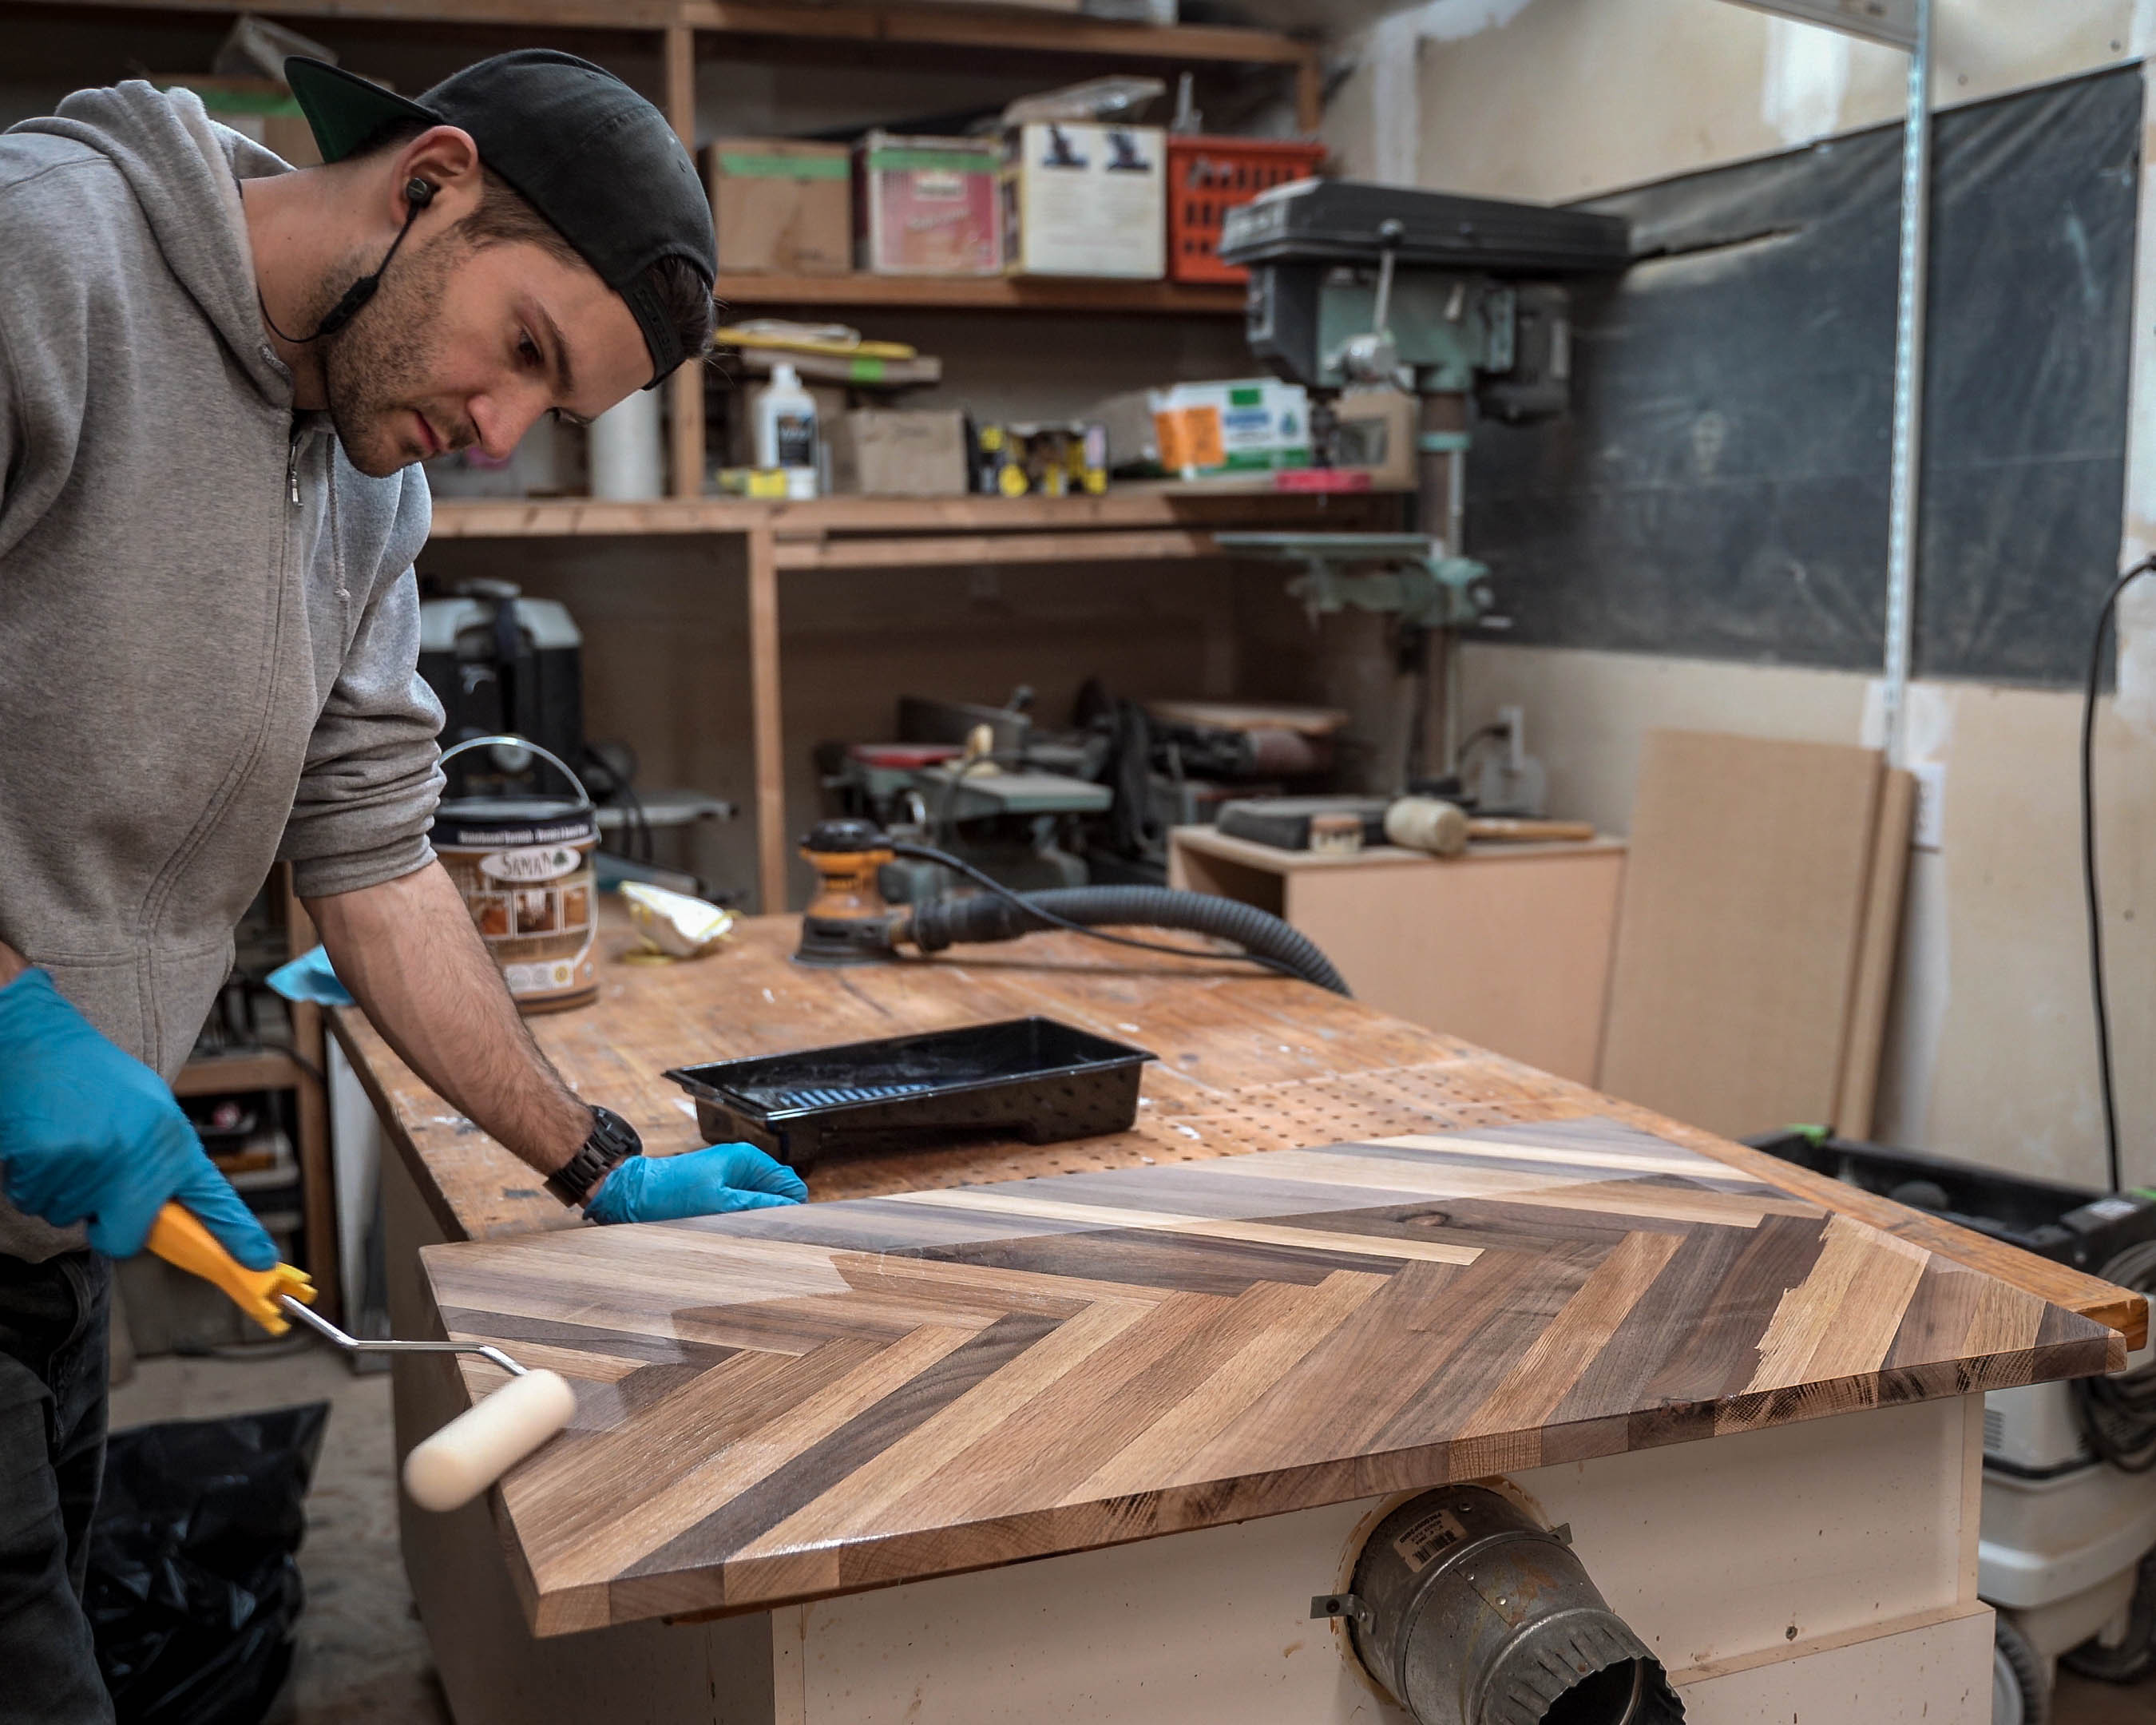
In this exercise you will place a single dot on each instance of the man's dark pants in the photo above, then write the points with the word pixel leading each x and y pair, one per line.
pixel 52 1319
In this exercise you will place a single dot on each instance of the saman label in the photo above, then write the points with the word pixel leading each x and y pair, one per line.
pixel 538 862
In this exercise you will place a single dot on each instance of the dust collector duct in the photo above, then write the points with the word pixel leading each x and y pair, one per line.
pixel 1469 1612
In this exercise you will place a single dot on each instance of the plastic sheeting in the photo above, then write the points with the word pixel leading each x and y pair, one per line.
pixel 1719 489
pixel 193 1591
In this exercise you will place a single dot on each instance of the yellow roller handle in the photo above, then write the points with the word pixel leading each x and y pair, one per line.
pixel 179 1238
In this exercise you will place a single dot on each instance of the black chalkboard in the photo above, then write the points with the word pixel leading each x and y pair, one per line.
pixel 1719 488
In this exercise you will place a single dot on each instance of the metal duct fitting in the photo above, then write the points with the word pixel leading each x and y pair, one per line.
pixel 1468 1611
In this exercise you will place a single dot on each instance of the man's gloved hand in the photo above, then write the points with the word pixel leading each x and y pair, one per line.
pixel 697 1183
pixel 89 1134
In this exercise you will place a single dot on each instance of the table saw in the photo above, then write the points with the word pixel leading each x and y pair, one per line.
pixel 1102 1430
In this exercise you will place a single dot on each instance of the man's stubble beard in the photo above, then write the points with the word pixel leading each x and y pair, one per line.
pixel 374 370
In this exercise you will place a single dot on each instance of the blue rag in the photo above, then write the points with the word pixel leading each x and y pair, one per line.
pixel 310 977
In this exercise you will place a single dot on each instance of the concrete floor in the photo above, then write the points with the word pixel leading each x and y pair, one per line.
pixel 362 1658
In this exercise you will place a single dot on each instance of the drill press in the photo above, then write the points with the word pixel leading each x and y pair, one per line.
pixel 1450 298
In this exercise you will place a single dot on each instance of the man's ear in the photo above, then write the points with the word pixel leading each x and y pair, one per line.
pixel 445 158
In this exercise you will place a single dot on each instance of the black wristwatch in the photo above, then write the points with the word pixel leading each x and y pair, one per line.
pixel 612 1141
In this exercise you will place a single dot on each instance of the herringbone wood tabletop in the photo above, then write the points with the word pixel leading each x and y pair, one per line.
pixel 790 1403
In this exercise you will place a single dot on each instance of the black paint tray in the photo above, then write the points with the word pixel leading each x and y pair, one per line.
pixel 1032 1079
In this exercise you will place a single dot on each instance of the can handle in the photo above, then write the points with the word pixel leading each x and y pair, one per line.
pixel 545 754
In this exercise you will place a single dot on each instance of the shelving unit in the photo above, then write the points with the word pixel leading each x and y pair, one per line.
pixel 1166 523
pixel 857 533
pixel 1092 296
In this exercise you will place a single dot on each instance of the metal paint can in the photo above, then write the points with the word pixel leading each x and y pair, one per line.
pixel 524 867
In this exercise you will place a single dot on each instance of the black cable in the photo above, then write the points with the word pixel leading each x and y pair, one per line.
pixel 929 854
pixel 417 195
pixel 2089 885
pixel 2118 1413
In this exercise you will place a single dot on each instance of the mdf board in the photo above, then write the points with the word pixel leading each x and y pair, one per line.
pixel 1507 946
pixel 790 1405
pixel 1741 921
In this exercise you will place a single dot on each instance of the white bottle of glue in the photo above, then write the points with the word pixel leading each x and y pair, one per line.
pixel 785 420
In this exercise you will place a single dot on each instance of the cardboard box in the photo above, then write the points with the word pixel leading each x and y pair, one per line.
pixel 1248 425
pixel 1375 434
pixel 880 451
pixel 1086 199
pixel 927 205
pixel 781 206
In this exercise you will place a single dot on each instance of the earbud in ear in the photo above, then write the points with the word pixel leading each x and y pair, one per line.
pixel 418 193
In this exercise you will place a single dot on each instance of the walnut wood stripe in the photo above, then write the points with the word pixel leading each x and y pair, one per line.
pixel 781 1406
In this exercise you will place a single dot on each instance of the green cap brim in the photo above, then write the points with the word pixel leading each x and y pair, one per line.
pixel 344 110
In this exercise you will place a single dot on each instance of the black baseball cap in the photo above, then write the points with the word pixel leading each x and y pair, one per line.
pixel 579 144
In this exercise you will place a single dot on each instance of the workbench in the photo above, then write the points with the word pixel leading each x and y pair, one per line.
pixel 1085 1446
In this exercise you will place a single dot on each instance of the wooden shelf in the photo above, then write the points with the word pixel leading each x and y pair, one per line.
pixel 984 293
pixel 581 517
pixel 214 1076
pixel 958 27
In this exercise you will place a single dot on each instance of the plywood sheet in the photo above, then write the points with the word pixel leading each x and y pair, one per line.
pixel 787 1404
pixel 1878 949
pixel 1745 889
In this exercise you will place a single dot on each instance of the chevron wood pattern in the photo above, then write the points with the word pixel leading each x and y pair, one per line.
pixel 793 1404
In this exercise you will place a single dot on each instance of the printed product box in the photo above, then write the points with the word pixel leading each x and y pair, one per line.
pixel 927 205
pixel 1084 199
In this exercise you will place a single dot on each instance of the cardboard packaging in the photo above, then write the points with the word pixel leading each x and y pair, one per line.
pixel 1248 425
pixel 1084 199
pixel 1063 459
pixel 880 451
pixel 1374 432
pixel 927 205
pixel 781 206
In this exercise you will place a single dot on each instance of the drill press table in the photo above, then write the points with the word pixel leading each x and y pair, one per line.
pixel 1218 1316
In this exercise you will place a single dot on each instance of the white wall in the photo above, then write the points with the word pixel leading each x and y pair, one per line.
pixel 1991 1051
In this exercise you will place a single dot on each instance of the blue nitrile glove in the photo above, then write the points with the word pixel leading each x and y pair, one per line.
pixel 697 1183
pixel 89 1134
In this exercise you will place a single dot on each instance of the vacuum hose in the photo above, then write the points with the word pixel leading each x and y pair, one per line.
pixel 948 922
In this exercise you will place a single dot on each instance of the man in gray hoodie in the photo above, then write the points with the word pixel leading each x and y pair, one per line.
pixel 216 374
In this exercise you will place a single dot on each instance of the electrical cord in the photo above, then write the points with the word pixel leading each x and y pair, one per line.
pixel 2089 883
pixel 980 878
pixel 2118 1413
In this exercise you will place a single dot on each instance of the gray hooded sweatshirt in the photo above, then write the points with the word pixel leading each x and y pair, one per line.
pixel 208 624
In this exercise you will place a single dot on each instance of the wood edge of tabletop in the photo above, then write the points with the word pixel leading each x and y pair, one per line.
pixel 2114 1307
pixel 731 1588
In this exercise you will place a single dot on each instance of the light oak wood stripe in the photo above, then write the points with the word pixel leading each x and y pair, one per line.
pixel 1016 1290
pixel 1660 1159
pixel 1055 1439
pixel 1841 1318
pixel 869 1494
pixel 1163 1451
pixel 2005 1321
pixel 1575 1338
pixel 657 1516
pixel 1361 1246
pixel 1668 1204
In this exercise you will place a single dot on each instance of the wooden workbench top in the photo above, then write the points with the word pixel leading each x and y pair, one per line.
pixel 1248 1061
pixel 787 1404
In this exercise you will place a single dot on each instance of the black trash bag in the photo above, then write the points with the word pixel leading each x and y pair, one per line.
pixel 193 1592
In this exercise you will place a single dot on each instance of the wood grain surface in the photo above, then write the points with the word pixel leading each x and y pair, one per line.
pixel 1248 1062
pixel 787 1404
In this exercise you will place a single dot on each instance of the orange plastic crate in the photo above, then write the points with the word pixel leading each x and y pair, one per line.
pixel 1209 177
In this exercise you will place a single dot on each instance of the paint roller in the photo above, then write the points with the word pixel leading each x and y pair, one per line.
pixel 457 1463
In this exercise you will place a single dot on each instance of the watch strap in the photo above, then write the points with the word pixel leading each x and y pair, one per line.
pixel 612 1141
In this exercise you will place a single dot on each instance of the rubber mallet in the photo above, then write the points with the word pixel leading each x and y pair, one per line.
pixel 1445 828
